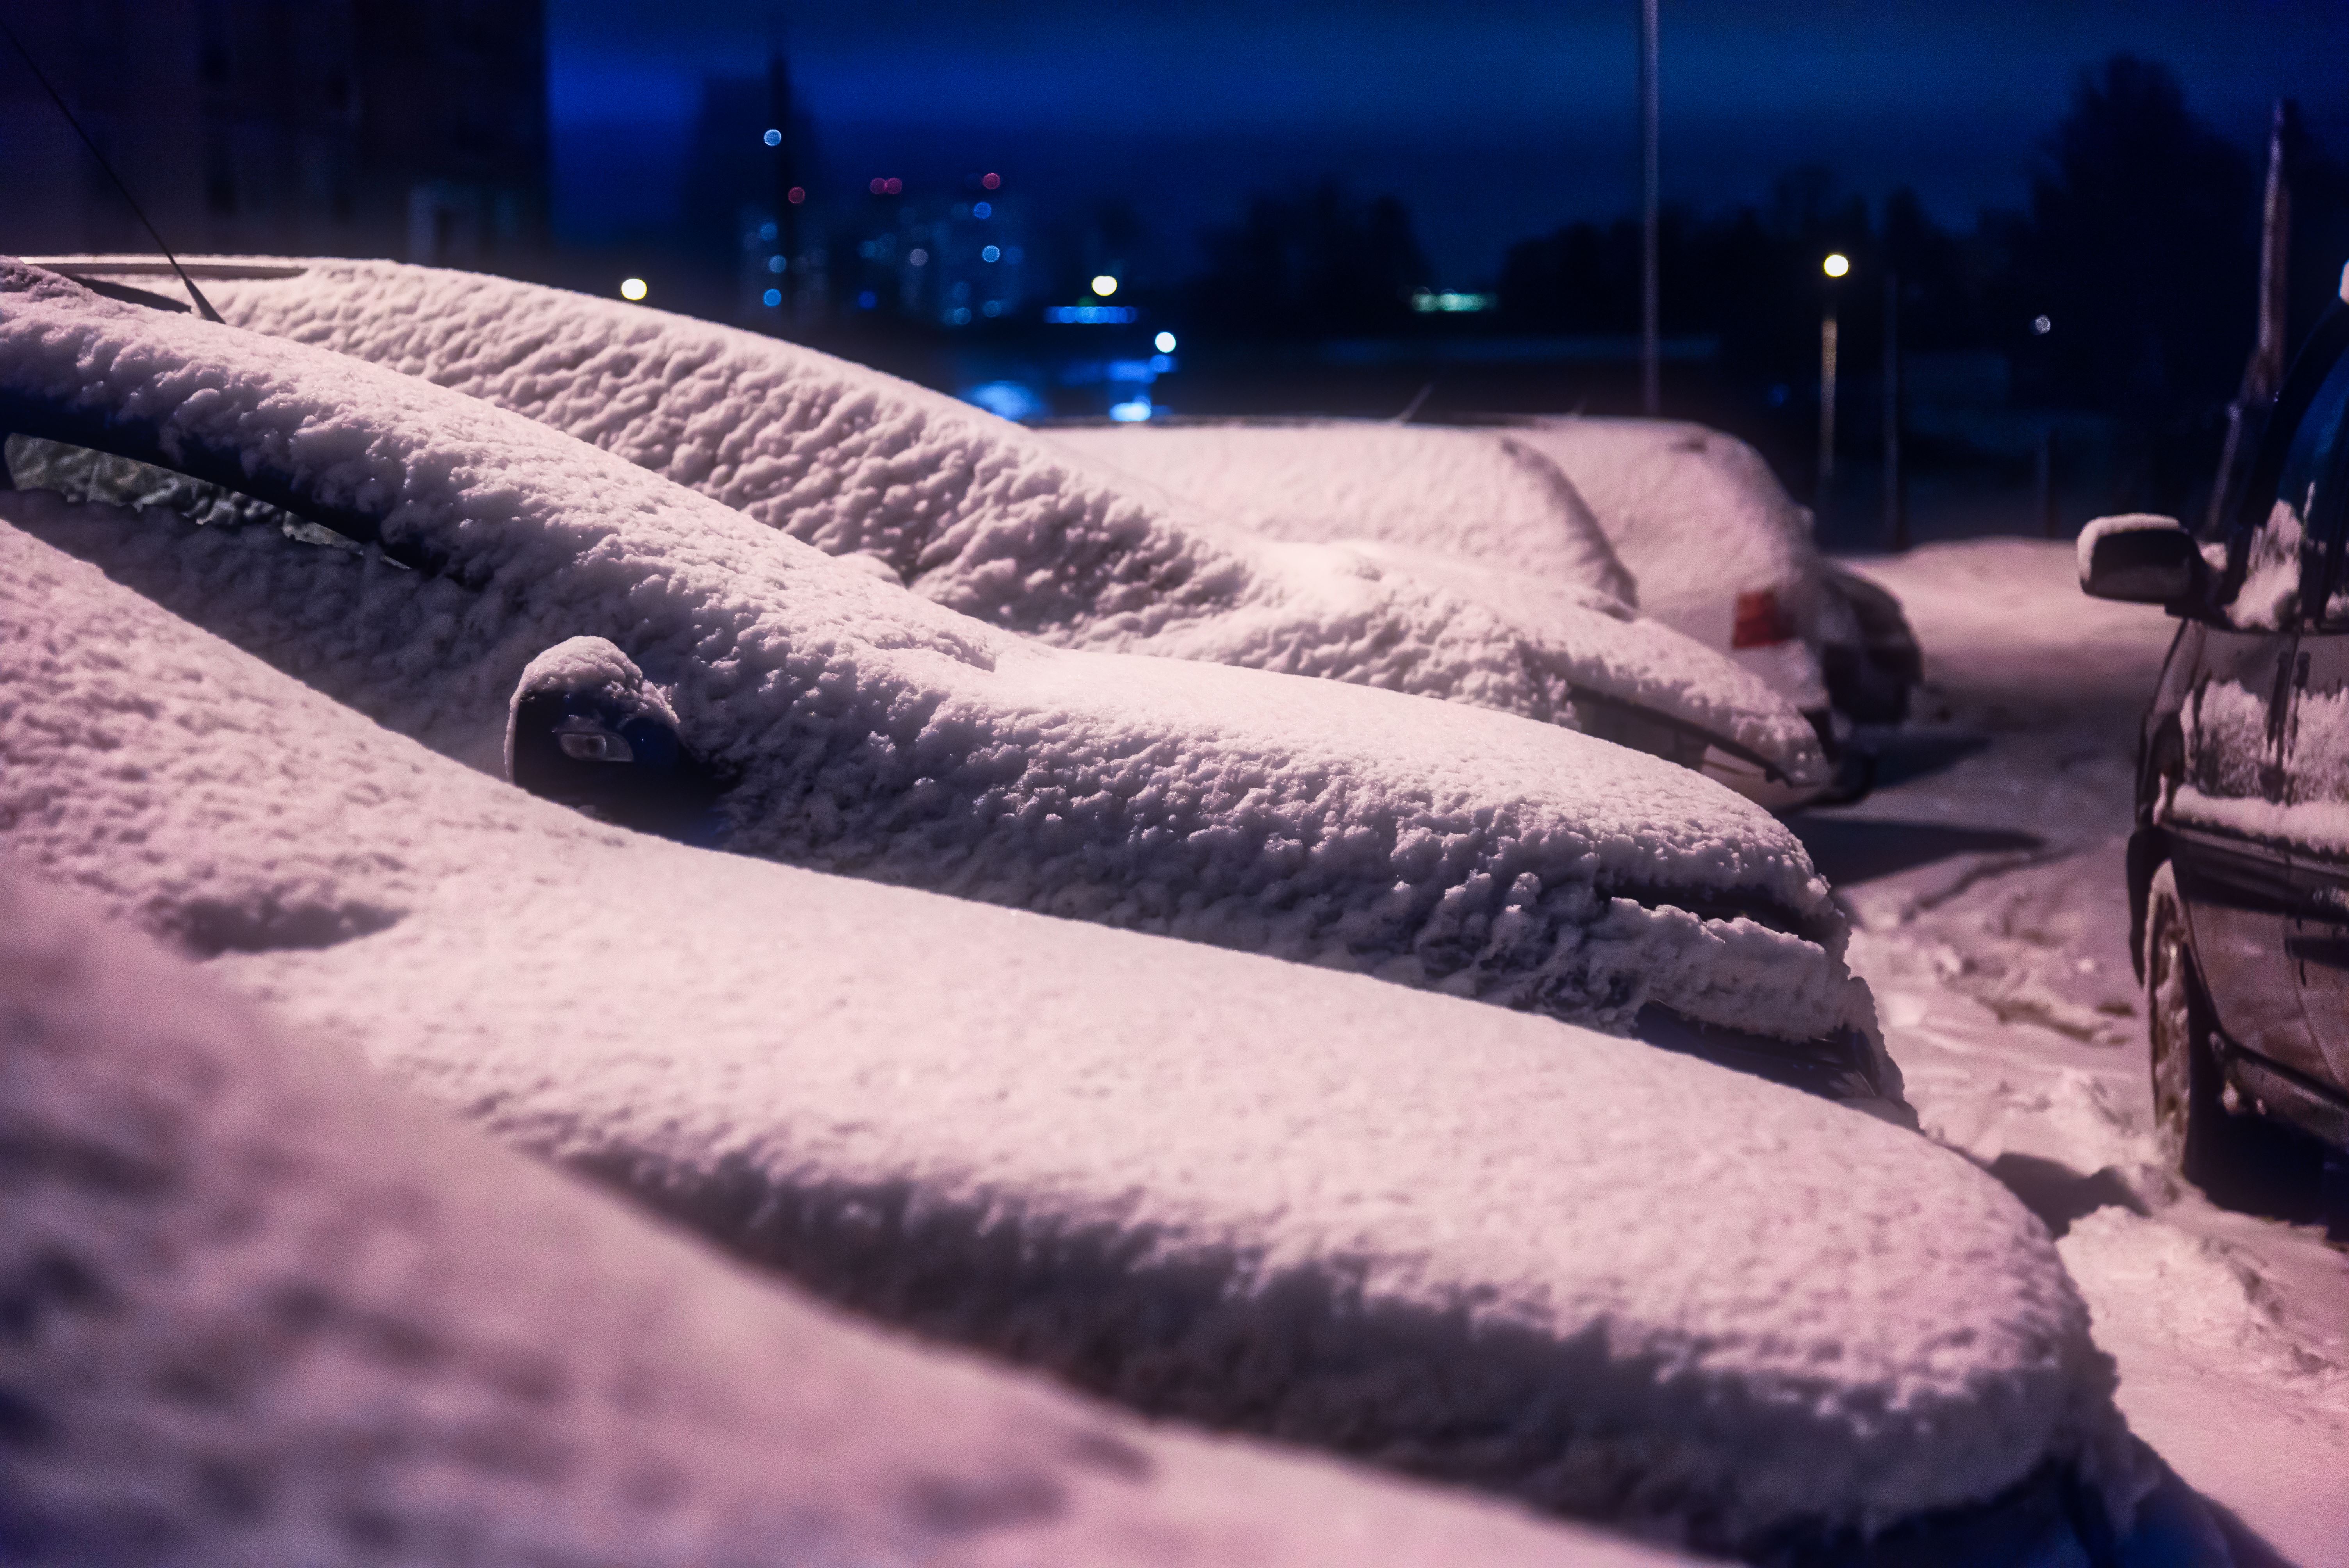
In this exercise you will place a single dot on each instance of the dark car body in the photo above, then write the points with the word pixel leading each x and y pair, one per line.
pixel 2242 792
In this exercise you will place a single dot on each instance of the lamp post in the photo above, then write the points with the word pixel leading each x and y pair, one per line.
pixel 1836 267
pixel 1651 386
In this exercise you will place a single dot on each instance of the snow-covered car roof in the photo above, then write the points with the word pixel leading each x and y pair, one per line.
pixel 979 515
pixel 1472 495
pixel 266 1309
pixel 1696 515
pixel 869 730
pixel 1473 1242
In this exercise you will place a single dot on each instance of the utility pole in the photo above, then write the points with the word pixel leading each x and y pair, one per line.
pixel 1651 369
pixel 2263 373
pixel 1896 500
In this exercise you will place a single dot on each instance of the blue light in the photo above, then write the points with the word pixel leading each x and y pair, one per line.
pixel 773 138
pixel 776 264
pixel 767 232
pixel 867 300
pixel 1011 399
pixel 991 255
pixel 771 298
pixel 982 210
pixel 993 307
pixel 1088 314
pixel 1131 413
pixel 1160 363
pixel 961 316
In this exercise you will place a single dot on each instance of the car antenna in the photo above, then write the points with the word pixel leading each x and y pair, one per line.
pixel 203 307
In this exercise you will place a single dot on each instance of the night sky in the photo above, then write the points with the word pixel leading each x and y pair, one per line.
pixel 1493 120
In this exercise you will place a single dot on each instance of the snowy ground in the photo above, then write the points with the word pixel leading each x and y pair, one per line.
pixel 1985 879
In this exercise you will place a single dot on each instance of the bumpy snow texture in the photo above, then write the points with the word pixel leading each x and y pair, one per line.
pixel 876 733
pixel 264 1309
pixel 1475 495
pixel 991 520
pixel 1472 1243
pixel 1700 519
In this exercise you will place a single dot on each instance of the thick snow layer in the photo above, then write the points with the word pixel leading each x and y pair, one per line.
pixel 991 520
pixel 873 732
pixel 1479 495
pixel 264 1309
pixel 1470 1242
pixel 1986 877
pixel 1700 522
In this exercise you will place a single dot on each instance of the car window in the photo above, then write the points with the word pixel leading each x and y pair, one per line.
pixel 82 475
pixel 2283 562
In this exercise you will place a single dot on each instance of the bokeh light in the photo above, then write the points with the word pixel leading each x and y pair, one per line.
pixel 1104 285
pixel 633 288
pixel 1164 342
pixel 1836 264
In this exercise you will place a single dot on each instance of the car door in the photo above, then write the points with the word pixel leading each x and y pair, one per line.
pixel 2315 482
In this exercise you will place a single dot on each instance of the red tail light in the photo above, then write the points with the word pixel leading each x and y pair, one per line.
pixel 1761 621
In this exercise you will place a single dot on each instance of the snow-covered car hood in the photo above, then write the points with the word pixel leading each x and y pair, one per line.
pixel 266 1309
pixel 871 731
pixel 991 520
pixel 1475 1243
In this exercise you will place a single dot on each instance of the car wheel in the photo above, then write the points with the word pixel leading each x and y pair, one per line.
pixel 2190 1121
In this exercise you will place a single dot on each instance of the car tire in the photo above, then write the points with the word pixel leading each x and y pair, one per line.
pixel 2196 1134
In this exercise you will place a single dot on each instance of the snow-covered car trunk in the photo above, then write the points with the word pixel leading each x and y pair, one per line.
pixel 1721 552
pixel 991 520
pixel 1477 1245
pixel 865 729
pixel 264 1309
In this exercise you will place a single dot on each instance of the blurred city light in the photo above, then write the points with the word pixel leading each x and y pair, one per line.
pixel 1450 301
pixel 981 210
pixel 773 138
pixel 991 255
pixel 633 288
pixel 2040 326
pixel 1133 412
pixel 1011 399
pixel 918 257
pixel 1088 314
pixel 1104 285
pixel 796 195
pixel 776 264
pixel 1164 342
pixel 990 181
pixel 771 298
pixel 1836 264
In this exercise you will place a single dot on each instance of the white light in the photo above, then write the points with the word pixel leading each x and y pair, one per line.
pixel 633 288
pixel 2040 326
pixel 1131 413
pixel 1104 285
pixel 1165 342
pixel 1836 264
pixel 918 257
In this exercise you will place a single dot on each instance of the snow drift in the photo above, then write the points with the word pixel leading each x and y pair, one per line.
pixel 987 519
pixel 264 1309
pixel 1477 1245
pixel 873 732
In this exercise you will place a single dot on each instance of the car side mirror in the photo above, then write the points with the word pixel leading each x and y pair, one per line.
pixel 2141 559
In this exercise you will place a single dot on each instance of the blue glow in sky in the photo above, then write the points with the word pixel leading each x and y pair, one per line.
pixel 1492 119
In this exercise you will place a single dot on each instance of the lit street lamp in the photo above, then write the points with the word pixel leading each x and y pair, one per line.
pixel 1836 267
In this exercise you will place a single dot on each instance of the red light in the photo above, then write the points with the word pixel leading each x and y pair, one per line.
pixel 1761 621
pixel 876 185
pixel 798 194
pixel 893 186
pixel 990 181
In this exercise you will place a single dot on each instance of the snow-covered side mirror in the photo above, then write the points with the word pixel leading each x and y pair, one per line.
pixel 2141 559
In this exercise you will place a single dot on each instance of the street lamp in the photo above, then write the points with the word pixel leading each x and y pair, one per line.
pixel 1836 267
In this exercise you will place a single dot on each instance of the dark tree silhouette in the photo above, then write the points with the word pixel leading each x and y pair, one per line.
pixel 1317 264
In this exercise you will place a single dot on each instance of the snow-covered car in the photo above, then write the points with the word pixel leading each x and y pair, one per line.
pixel 266 1309
pixel 2239 865
pixel 1687 523
pixel 1477 1245
pixel 981 516
pixel 432 555
pixel 1721 552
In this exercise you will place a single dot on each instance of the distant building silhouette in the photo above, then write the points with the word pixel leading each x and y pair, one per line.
pixel 411 128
